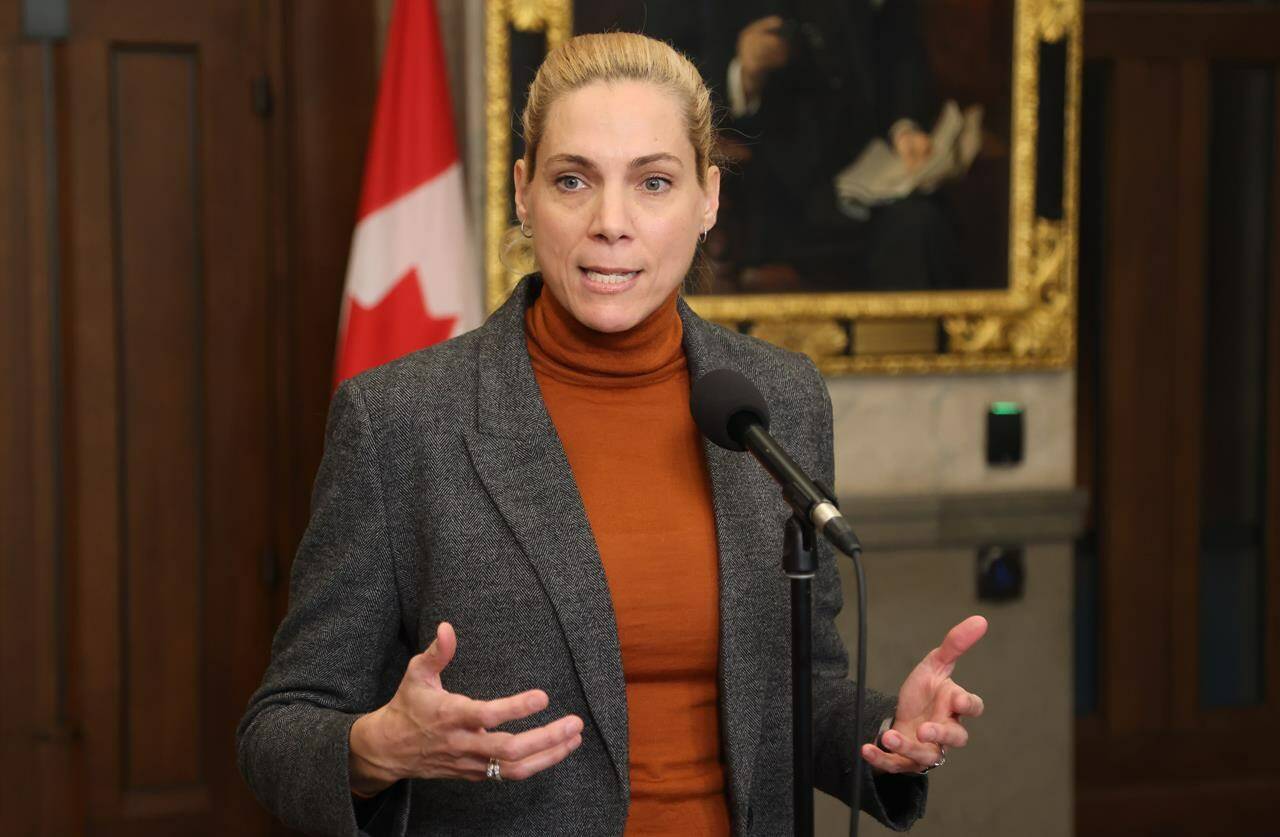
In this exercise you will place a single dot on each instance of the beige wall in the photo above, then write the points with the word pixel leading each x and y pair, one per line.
pixel 1015 777
pixel 926 434
pixel 924 437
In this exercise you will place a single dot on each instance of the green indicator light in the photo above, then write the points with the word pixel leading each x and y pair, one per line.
pixel 1006 408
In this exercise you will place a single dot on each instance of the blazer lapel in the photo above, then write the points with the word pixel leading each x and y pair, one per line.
pixel 520 460
pixel 744 499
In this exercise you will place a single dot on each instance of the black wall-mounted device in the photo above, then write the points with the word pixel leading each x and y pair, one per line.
pixel 1004 433
pixel 1000 573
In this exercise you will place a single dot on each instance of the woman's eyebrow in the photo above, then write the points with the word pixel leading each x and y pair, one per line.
pixel 639 162
pixel 572 159
pixel 660 157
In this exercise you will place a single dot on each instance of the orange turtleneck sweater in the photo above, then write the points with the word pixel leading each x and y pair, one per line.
pixel 620 404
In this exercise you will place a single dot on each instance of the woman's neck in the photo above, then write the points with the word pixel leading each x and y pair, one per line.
pixel 561 346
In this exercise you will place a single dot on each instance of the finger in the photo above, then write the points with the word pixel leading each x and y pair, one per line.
pixel 768 23
pixel 438 654
pixel 888 762
pixel 917 751
pixel 472 768
pixel 959 640
pixel 486 714
pixel 505 746
pixel 967 704
pixel 538 762
pixel 948 734
pixel 953 701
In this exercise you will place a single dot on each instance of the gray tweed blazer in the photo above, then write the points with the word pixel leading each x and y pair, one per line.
pixel 445 494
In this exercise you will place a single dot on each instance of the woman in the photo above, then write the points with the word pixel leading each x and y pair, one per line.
pixel 598 590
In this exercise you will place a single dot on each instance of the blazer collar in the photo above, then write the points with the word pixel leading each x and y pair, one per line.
pixel 522 464
pixel 509 402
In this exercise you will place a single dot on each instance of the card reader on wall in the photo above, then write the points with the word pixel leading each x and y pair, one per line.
pixel 1004 433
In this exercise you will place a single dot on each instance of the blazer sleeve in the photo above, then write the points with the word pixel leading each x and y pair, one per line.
pixel 340 651
pixel 897 801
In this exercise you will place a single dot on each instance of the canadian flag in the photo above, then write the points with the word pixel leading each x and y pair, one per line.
pixel 411 280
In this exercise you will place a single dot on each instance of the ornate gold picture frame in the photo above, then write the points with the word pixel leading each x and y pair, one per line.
pixel 1028 325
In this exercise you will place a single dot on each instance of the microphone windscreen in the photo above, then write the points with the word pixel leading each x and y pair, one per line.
pixel 720 395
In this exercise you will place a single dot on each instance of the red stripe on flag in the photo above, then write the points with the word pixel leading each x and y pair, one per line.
pixel 412 139
pixel 397 325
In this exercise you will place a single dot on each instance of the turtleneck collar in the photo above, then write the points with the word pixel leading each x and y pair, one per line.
pixel 569 351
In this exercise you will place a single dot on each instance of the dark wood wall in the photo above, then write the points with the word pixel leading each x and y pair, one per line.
pixel 1179 409
pixel 179 184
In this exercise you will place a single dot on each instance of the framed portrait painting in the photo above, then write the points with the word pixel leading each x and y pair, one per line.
pixel 898 176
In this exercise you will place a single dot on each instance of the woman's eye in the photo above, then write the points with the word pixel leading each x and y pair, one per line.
pixel 656 184
pixel 569 181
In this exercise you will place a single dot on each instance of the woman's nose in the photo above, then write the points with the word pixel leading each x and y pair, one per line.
pixel 612 220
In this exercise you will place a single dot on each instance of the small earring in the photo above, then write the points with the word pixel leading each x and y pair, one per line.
pixel 525 231
pixel 703 237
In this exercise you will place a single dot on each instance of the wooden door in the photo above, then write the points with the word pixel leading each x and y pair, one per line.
pixel 37 732
pixel 178 184
pixel 168 371
pixel 1180 421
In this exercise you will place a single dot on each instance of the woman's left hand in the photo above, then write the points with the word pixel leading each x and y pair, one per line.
pixel 930 708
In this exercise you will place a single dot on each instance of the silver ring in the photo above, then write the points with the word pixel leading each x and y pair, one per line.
pixel 524 231
pixel 942 759
pixel 493 772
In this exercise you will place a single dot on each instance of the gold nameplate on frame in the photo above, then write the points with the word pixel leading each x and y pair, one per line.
pixel 901 195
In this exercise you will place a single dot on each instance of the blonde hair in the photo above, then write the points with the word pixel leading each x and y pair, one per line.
pixel 607 57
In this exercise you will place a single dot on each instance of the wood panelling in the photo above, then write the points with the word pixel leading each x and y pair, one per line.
pixel 1154 759
pixel 1185 362
pixel 1271 512
pixel 1272 515
pixel 160 309
pixel 36 733
pixel 172 492
pixel 171 265
pixel 94 475
pixel 1143 206
pixel 330 122
pixel 1176 30
pixel 1243 806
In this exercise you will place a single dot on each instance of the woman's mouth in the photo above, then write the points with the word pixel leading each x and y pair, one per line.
pixel 609 279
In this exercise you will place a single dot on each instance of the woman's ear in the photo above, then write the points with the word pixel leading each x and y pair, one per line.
pixel 518 176
pixel 711 207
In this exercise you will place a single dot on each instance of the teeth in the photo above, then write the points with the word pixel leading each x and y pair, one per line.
pixel 610 278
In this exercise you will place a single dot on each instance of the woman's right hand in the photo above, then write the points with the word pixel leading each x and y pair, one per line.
pixel 425 732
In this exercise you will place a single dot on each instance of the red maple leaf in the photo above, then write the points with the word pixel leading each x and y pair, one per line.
pixel 397 325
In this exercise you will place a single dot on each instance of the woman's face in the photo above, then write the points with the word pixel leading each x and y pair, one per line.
pixel 614 204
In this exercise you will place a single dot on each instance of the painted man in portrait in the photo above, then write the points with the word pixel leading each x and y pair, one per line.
pixel 805 86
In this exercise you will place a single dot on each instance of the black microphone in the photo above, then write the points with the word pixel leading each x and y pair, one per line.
pixel 731 412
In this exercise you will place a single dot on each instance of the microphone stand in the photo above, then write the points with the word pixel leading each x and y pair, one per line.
pixel 800 564
pixel 733 414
